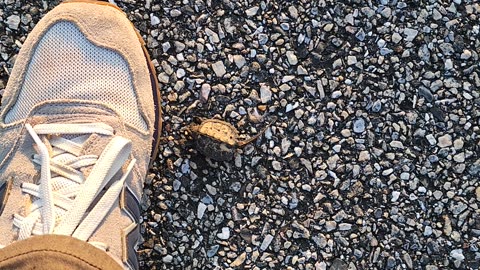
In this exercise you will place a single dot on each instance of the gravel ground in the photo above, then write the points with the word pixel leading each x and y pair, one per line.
pixel 373 161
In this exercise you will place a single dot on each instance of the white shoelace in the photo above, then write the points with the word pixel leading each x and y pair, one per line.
pixel 64 202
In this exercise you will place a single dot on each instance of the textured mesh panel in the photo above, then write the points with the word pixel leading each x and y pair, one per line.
pixel 66 65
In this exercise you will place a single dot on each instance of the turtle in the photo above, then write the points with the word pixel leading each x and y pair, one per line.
pixel 217 139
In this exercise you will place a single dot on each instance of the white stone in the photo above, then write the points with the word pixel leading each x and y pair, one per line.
pixel 344 227
pixel 466 54
pixel 287 78
pixel 301 70
pixel 328 27
pixel 266 242
pixel 428 231
pixel 290 107
pixel 364 156
pixel 179 46
pixel 330 225
pixel 239 60
pixel 201 210
pixel 285 26
pixel 265 93
pixel 349 19
pixel 219 68
pixel 336 94
pixel 337 148
pixel 180 73
pixel 410 34
pixel 205 92
pixel 225 234
pixel 320 266
pixel 437 15
pixel 167 259
pixel 175 13
pixel 166 46
pixel 292 58
pixel 395 196
pixel 405 176
pixel 163 77
pixel 457 254
pixel 444 141
pixel 359 125
pixel 351 60
pixel 154 20
pixel 437 194
pixel 431 139
pixel 13 21
pixel 387 172
pixel 396 144
pixel 251 11
pixel 381 43
pixel 337 63
pixel 458 144
pixel 460 157
pixel 277 166
pixel 318 197
pixel 293 11
pixel 448 64
pixel 396 37
pixel 262 38
pixel 212 36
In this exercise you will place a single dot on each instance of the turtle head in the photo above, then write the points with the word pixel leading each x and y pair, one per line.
pixel 192 130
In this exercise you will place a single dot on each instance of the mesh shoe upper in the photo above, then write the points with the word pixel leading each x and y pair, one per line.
pixel 100 75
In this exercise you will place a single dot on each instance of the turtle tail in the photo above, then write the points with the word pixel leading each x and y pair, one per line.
pixel 243 143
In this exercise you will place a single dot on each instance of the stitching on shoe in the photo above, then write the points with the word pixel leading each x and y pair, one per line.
pixel 15 145
pixel 63 103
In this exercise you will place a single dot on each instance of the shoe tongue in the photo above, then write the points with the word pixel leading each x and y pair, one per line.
pixel 95 144
pixel 75 113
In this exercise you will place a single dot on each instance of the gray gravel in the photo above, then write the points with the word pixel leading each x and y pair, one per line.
pixel 373 162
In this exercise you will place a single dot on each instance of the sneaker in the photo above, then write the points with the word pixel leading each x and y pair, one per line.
pixel 77 123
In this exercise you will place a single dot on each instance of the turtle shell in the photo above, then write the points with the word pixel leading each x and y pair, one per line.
pixel 216 139
pixel 214 149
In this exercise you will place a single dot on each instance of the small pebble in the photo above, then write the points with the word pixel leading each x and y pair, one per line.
pixel 251 11
pixel 359 126
pixel 219 68
pixel 225 234
pixel 410 34
pixel 292 58
pixel 13 21
pixel 167 259
pixel 266 242
pixel 201 210
pixel 239 60
pixel 444 141
pixel 154 20
pixel 395 196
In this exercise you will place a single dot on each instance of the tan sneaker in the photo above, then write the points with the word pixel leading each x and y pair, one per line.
pixel 77 123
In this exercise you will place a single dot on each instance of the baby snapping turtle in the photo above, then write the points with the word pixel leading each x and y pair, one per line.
pixel 218 140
